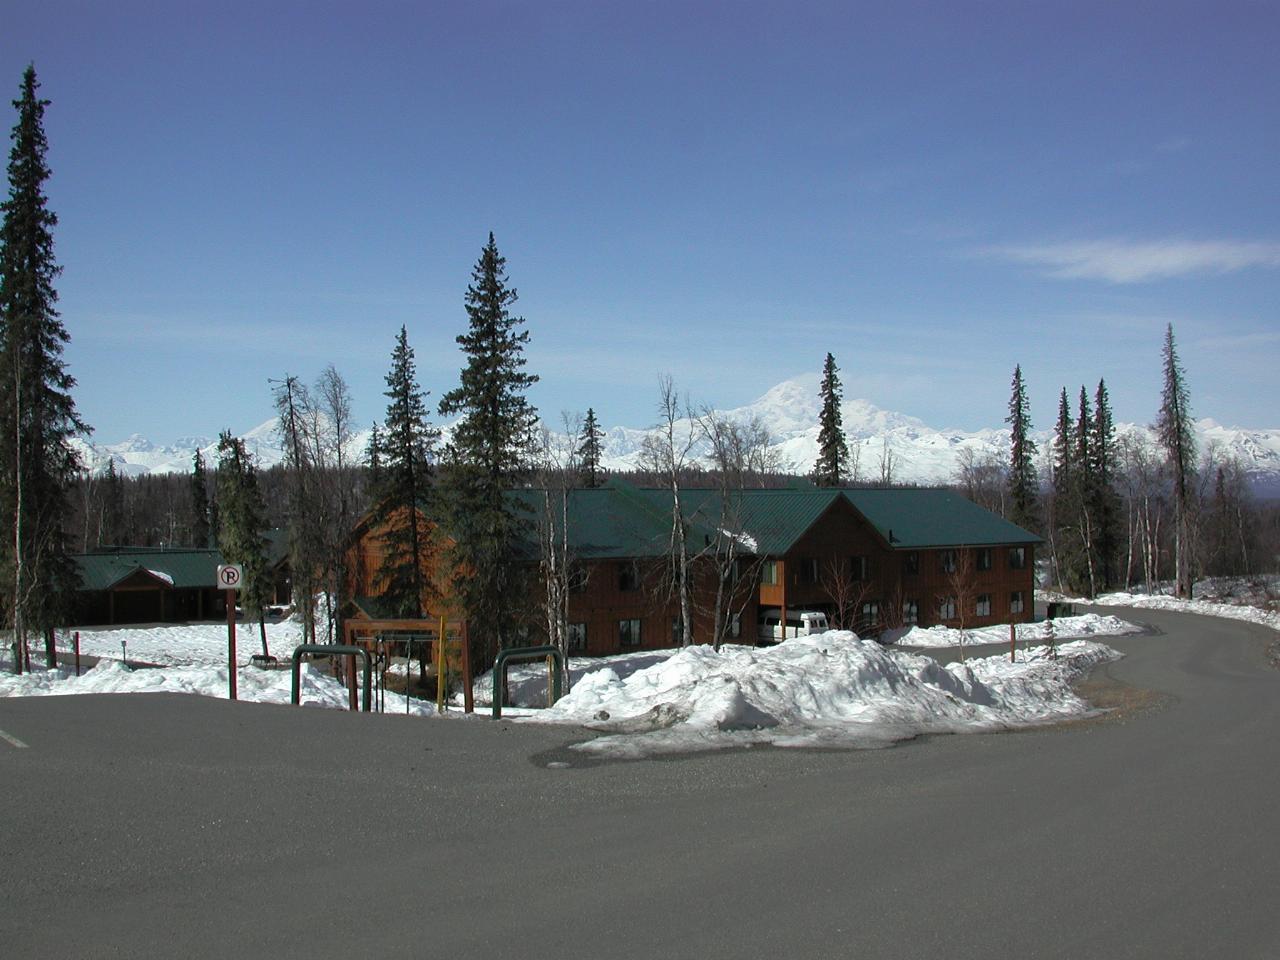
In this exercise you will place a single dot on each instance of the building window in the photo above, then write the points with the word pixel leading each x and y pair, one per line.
pixel 982 558
pixel 769 573
pixel 629 633
pixel 1015 602
pixel 983 607
pixel 628 577
pixel 861 567
pixel 1017 558
pixel 808 570
pixel 577 579
pixel 946 608
pixel 735 626
pixel 870 617
pixel 577 638
pixel 948 560
pixel 910 611
pixel 677 632
pixel 911 563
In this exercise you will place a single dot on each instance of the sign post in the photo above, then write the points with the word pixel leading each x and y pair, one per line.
pixel 230 577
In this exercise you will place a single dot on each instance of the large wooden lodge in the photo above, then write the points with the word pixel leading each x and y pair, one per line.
pixel 897 556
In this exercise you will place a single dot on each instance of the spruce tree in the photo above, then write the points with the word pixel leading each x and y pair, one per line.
pixel 199 502
pixel 110 531
pixel 1085 498
pixel 38 418
pixel 1105 508
pixel 1176 433
pixel 373 457
pixel 242 527
pixel 589 451
pixel 1023 485
pixel 832 467
pixel 1062 527
pixel 402 454
pixel 490 450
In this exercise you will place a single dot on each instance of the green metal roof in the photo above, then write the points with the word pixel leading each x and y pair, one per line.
pixel 606 522
pixel 623 521
pixel 909 518
pixel 183 568
pixel 620 521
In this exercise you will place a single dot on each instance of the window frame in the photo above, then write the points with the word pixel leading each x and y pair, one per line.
pixel 628 576
pixel 769 573
pixel 624 632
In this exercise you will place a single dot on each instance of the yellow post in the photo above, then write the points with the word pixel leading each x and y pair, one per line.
pixel 442 666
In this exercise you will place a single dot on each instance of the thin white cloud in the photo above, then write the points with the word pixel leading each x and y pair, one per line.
pixel 1261 339
pixel 1124 261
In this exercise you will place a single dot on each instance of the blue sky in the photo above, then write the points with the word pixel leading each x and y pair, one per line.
pixel 719 191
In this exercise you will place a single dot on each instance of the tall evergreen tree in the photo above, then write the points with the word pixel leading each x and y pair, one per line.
pixel 1061 527
pixel 588 451
pixel 1085 498
pixel 199 502
pixel 373 456
pixel 403 453
pixel 491 449
pixel 38 417
pixel 111 529
pixel 1105 506
pixel 1023 485
pixel 832 467
pixel 1175 430
pixel 242 526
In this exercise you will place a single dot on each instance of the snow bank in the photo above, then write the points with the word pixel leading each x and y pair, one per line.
pixel 1206 608
pixel 316 688
pixel 1064 628
pixel 828 690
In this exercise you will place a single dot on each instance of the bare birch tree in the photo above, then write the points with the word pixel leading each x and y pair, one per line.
pixel 741 455
pixel 668 452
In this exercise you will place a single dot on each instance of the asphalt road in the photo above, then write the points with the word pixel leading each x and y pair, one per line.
pixel 164 826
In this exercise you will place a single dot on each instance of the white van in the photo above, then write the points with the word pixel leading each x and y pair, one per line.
pixel 799 623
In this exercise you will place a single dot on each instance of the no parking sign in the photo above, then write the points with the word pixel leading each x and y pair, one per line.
pixel 230 576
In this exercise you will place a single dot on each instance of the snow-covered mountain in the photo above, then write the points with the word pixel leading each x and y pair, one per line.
pixel 920 454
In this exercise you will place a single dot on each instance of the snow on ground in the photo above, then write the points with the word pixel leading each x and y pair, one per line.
pixel 832 689
pixel 316 688
pixel 1251 599
pixel 180 644
pixel 1064 628
pixel 1206 608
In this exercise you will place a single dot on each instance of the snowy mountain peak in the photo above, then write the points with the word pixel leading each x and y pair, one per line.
pixel 919 453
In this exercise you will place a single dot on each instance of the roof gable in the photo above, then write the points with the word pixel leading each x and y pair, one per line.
pixel 177 568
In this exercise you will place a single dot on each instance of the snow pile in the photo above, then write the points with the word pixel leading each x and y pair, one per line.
pixel 527 681
pixel 316 687
pixel 1064 628
pixel 833 689
pixel 1206 608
